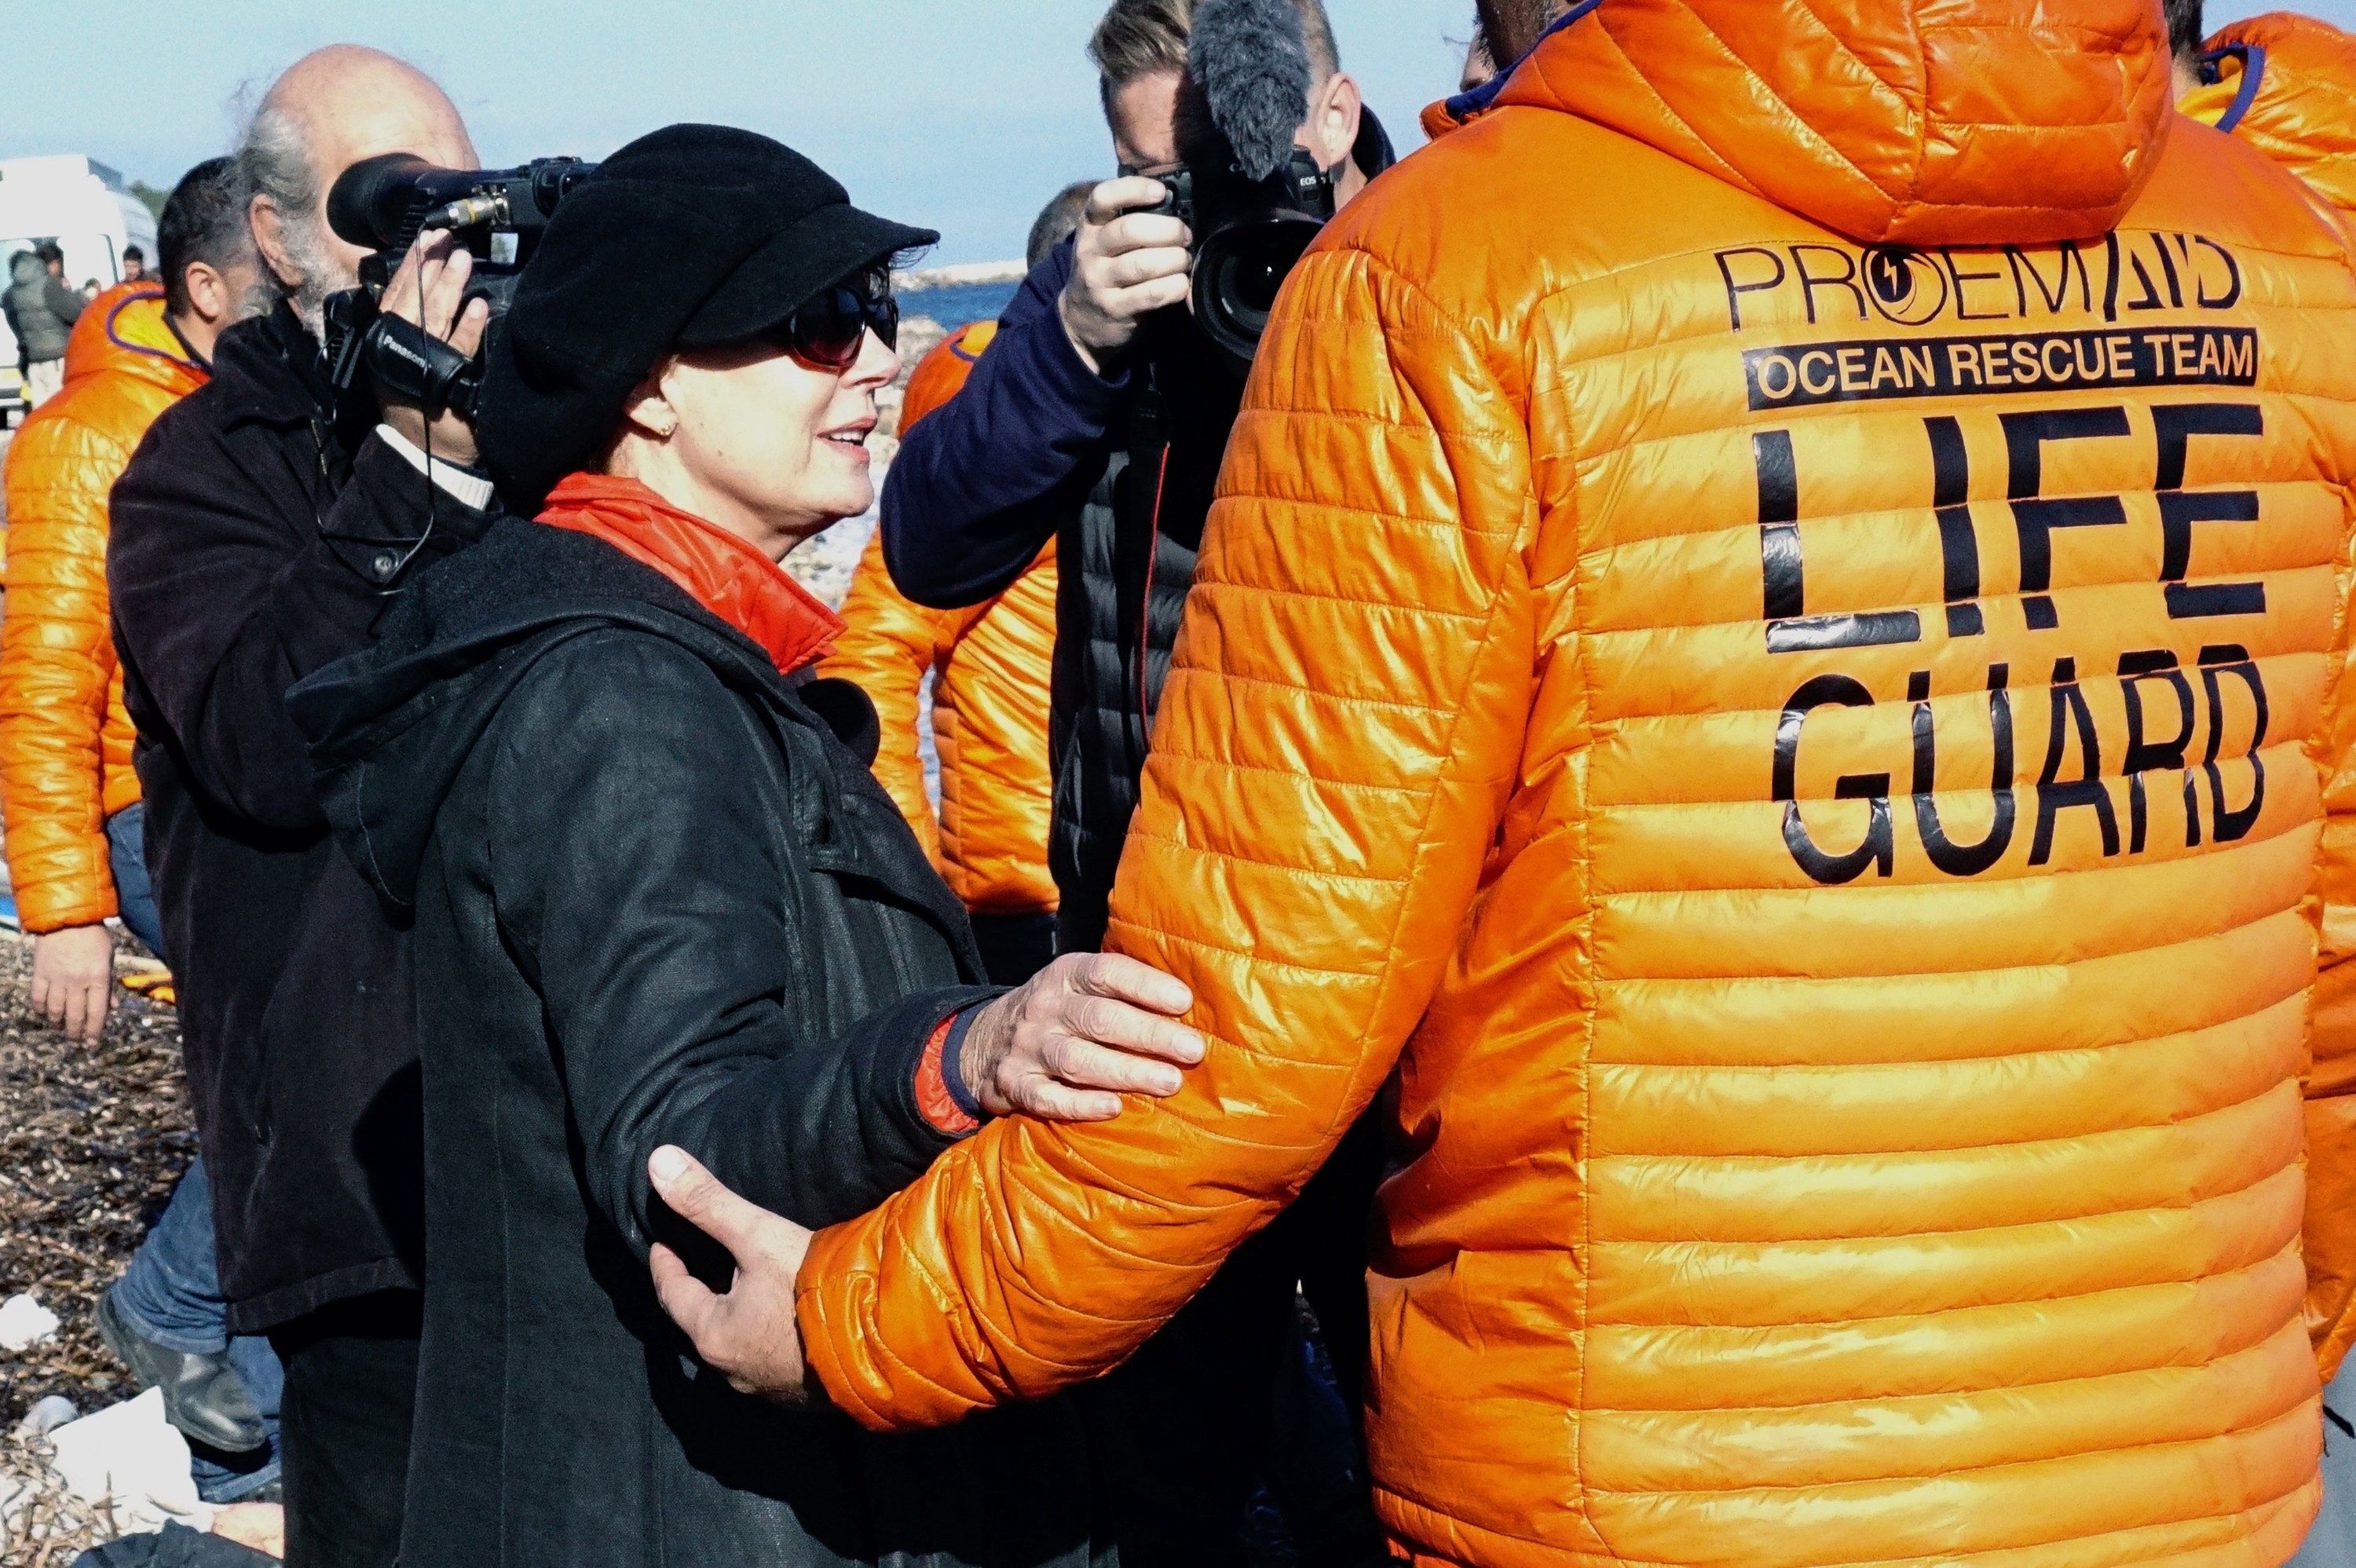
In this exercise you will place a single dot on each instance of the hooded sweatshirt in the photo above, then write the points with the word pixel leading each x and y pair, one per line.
pixel 1769 658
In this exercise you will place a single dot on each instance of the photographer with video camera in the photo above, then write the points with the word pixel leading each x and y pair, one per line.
pixel 260 533
pixel 1099 418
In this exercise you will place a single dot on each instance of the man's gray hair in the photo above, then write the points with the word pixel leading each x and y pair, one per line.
pixel 275 163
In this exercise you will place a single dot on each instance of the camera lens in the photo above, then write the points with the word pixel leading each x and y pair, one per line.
pixel 1237 276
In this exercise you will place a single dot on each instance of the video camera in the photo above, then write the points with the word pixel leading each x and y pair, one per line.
pixel 385 203
pixel 1249 235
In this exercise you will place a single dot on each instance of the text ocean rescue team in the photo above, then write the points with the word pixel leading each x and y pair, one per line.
pixel 2162 721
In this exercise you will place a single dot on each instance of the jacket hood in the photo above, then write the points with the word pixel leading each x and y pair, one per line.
pixel 2287 85
pixel 1926 122
pixel 390 728
pixel 123 332
pixel 25 269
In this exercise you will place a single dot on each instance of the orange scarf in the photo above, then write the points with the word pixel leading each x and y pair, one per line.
pixel 720 572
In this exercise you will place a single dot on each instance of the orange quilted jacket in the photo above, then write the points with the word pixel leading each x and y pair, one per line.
pixel 65 740
pixel 2287 85
pixel 990 699
pixel 1770 659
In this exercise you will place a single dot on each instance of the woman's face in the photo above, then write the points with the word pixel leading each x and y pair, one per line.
pixel 767 447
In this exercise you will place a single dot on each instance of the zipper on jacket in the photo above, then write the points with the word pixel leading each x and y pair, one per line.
pixel 1150 432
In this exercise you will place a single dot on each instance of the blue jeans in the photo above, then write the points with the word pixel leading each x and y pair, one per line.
pixel 2332 1542
pixel 171 1292
pixel 134 895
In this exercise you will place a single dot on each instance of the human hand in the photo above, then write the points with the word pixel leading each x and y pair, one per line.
pixel 750 1335
pixel 73 979
pixel 1082 1031
pixel 428 291
pixel 261 1526
pixel 1126 265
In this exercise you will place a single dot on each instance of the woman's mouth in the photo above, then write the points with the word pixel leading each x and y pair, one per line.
pixel 851 440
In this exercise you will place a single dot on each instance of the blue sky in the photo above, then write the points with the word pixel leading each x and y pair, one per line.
pixel 961 115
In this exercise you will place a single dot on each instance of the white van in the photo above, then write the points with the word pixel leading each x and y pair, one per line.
pixel 84 206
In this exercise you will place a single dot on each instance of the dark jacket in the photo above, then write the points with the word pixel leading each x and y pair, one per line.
pixel 250 545
pixel 41 310
pixel 656 901
pixel 1119 469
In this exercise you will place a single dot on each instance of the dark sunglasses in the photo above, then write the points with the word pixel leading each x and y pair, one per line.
pixel 827 330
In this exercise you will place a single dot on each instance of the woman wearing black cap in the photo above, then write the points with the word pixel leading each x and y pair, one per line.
pixel 658 899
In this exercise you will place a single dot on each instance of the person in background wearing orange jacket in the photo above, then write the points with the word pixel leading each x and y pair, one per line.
pixel 75 828
pixel 1772 671
pixel 992 664
pixel 2286 84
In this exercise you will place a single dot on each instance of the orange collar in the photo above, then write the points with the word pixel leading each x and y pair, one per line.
pixel 720 572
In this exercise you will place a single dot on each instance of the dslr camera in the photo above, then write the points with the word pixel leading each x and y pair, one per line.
pixel 384 204
pixel 1249 236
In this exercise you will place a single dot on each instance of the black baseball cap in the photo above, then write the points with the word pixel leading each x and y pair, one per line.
pixel 693 237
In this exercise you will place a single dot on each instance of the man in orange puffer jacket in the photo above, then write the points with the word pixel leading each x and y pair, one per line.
pixel 75 834
pixel 66 782
pixel 1772 658
pixel 990 714
pixel 2286 84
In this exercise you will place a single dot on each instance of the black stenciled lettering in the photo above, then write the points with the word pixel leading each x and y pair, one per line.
pixel 1959 548
pixel 1734 290
pixel 2110 276
pixel 2233 293
pixel 1783 568
pixel 1879 847
pixel 1779 523
pixel 2217 661
pixel 2146 755
pixel 2025 436
pixel 2175 424
pixel 2168 265
pixel 2025 273
pixel 1844 279
pixel 2056 794
pixel 1963 860
pixel 1964 311
pixel 2149 299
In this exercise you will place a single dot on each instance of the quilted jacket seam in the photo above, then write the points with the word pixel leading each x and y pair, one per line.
pixel 1977 1470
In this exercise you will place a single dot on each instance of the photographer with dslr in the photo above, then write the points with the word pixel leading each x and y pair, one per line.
pixel 260 533
pixel 1099 418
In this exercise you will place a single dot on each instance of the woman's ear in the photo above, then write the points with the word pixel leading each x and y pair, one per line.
pixel 649 411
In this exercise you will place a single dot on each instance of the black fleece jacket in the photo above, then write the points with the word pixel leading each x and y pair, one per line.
pixel 655 900
pixel 255 539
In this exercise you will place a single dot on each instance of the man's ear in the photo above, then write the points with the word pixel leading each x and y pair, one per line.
pixel 269 228
pixel 1334 119
pixel 207 292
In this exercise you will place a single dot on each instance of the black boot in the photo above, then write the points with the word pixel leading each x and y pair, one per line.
pixel 203 1395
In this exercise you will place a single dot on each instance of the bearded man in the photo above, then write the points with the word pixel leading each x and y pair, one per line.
pixel 256 537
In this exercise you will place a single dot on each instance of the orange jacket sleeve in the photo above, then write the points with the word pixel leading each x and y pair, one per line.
pixel 887 648
pixel 1331 759
pixel 57 658
pixel 2330 1228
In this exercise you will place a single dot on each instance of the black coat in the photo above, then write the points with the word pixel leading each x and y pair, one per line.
pixel 250 545
pixel 656 901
